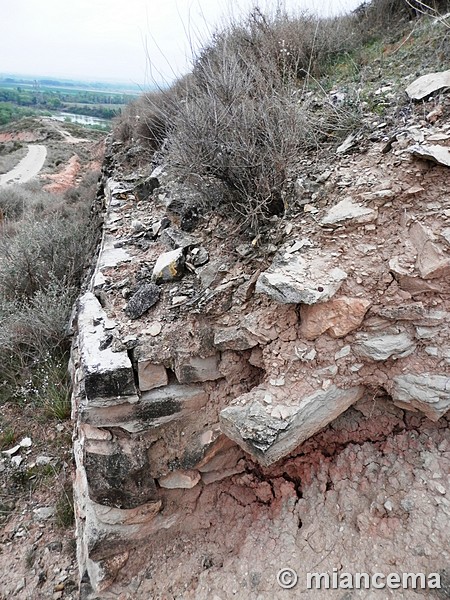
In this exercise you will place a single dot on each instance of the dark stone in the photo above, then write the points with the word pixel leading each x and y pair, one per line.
pixel 55 546
pixel 106 341
pixel 174 238
pixel 199 258
pixel 119 480
pixel 158 408
pixel 109 384
pixel 145 187
pixel 190 216
pixel 142 300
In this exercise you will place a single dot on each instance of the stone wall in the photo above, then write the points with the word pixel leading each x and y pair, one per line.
pixel 196 362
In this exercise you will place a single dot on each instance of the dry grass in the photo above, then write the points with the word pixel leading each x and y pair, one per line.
pixel 46 242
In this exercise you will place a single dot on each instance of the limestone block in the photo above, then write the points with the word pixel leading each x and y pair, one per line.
pixel 177 238
pixel 433 262
pixel 193 369
pixel 155 407
pixel 180 480
pixel 270 433
pixel 108 376
pixel 384 346
pixel 436 154
pixel 305 279
pixel 151 376
pixel 102 532
pixel 118 479
pixel 426 392
pixel 338 317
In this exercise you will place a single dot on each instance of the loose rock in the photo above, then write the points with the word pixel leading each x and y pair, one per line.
pixel 142 300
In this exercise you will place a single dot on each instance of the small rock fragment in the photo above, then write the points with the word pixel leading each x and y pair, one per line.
pixel 169 266
pixel 426 392
pixel 180 480
pixel 338 317
pixel 142 300
pixel 384 346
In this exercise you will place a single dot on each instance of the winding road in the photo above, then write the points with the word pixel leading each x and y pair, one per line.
pixel 27 168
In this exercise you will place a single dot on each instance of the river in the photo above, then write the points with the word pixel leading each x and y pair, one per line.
pixel 80 119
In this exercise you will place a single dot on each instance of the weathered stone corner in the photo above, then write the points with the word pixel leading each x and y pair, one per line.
pixel 269 432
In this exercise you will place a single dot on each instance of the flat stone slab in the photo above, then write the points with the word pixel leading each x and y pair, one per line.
pixel 269 433
pixel 428 393
pixel 347 211
pixel 111 256
pixel 193 369
pixel 300 279
pixel 108 376
pixel 428 84
pixel 437 154
pixel 384 346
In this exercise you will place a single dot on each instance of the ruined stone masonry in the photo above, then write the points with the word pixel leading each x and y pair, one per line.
pixel 215 384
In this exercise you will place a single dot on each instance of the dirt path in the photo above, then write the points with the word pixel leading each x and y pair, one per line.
pixel 27 168
pixel 67 136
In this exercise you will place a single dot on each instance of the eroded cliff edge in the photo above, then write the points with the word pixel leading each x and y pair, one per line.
pixel 244 405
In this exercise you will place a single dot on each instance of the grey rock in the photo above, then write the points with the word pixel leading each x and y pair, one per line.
pixel 142 300
pixel 426 392
pixel 175 238
pixel 348 211
pixel 44 513
pixel 118 479
pixel 154 408
pixel 384 346
pixel 20 585
pixel 270 433
pixel 111 256
pixel 347 144
pixel 428 84
pixel 169 266
pixel 193 369
pixel 145 187
pixel 198 256
pixel 437 154
pixel 211 274
pixel 306 279
pixel 234 338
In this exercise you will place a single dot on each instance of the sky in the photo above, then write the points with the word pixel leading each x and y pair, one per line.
pixel 133 41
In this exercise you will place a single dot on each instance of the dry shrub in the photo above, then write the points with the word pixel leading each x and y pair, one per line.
pixel 43 257
pixel 382 16
pixel 245 117
pixel 149 118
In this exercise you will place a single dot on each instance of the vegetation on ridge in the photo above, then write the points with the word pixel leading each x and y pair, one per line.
pixel 258 96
